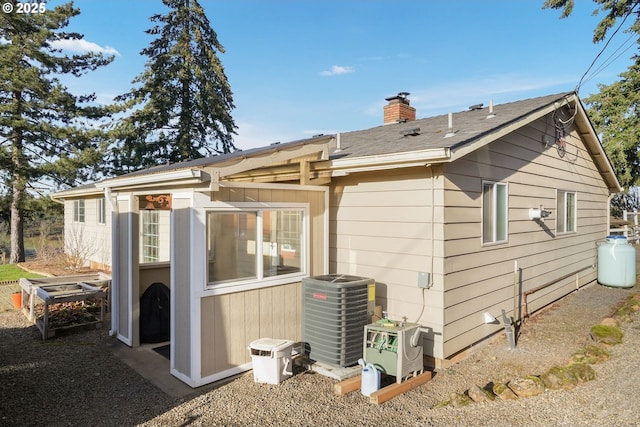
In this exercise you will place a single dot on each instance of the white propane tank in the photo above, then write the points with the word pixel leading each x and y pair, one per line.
pixel 616 263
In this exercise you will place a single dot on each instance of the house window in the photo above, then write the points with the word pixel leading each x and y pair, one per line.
pixel 150 243
pixel 78 211
pixel 566 211
pixel 102 211
pixel 254 245
pixel 494 212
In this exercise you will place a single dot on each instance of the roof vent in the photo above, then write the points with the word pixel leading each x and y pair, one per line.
pixel 450 131
pixel 491 113
pixel 411 132
pixel 476 107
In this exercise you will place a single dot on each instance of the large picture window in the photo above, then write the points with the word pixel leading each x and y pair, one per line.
pixel 254 245
pixel 494 212
pixel 566 211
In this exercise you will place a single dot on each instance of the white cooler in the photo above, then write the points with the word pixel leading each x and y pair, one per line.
pixel 271 360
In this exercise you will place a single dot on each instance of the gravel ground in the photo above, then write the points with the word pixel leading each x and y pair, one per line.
pixel 75 380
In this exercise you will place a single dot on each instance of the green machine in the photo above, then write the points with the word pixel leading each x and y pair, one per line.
pixel 394 348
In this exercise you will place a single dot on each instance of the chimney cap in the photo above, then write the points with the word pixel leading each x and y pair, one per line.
pixel 401 96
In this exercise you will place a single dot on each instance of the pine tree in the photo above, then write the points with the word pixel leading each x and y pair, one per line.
pixel 615 110
pixel 43 127
pixel 615 113
pixel 181 103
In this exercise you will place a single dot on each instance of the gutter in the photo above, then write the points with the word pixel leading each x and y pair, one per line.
pixel 154 179
pixel 341 167
pixel 56 200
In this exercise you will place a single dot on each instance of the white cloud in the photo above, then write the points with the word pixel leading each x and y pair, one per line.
pixel 82 46
pixel 337 70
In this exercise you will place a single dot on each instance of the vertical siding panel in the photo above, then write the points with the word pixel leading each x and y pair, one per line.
pixel 236 195
pixel 251 195
pixel 207 336
pixel 277 311
pixel 221 194
pixel 265 194
pixel 252 317
pixel 221 344
pixel 266 313
pixel 237 329
pixel 317 233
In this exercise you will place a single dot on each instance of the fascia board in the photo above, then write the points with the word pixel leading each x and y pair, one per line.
pixel 76 193
pixel 191 175
pixel 596 150
pixel 387 161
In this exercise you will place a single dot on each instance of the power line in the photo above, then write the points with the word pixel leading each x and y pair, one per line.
pixel 624 19
pixel 620 51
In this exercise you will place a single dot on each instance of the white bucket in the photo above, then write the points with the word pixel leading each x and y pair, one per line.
pixel 271 359
pixel 370 380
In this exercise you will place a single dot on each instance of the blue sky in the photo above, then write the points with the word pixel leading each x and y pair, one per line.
pixel 300 68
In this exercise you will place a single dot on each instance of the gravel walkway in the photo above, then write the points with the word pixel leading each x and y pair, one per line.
pixel 74 380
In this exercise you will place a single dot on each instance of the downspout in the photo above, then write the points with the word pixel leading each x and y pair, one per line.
pixel 611 195
pixel 115 268
pixel 433 228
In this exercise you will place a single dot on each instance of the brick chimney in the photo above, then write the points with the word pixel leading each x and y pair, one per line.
pixel 398 109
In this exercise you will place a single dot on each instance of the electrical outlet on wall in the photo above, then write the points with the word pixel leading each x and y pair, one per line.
pixel 424 280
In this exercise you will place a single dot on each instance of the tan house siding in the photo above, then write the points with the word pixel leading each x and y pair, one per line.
pixel 382 226
pixel 481 278
pixel 231 321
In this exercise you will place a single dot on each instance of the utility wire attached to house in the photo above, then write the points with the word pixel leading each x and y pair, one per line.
pixel 603 49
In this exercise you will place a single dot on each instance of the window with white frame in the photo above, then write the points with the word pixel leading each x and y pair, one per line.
pixel 78 210
pixel 102 211
pixel 566 211
pixel 246 245
pixel 494 212
pixel 150 231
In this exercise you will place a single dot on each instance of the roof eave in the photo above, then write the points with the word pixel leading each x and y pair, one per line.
pixel 76 192
pixel 340 167
pixel 199 172
pixel 600 158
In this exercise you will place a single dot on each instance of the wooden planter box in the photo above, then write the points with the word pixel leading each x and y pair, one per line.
pixel 56 294
pixel 29 287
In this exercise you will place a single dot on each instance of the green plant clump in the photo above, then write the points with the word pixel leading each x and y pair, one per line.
pixel 9 272
pixel 628 308
pixel 591 354
pixel 604 334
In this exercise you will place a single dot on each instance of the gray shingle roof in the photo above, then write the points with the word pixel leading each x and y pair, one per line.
pixel 468 126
